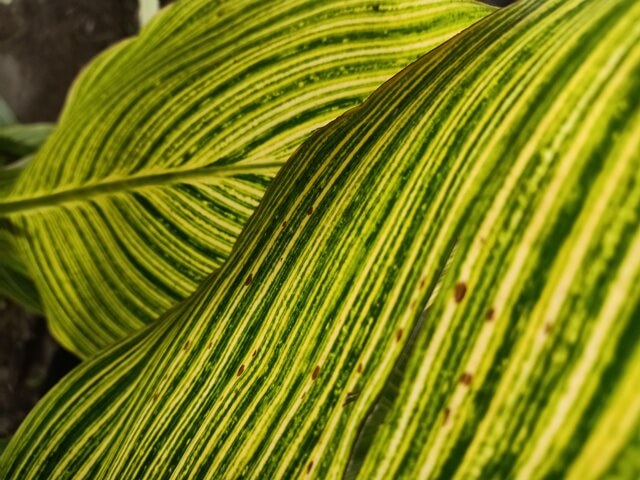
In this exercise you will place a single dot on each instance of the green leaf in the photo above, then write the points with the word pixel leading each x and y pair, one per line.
pixel 15 280
pixel 7 116
pixel 17 143
pixel 19 140
pixel 455 293
pixel 168 142
pixel 9 175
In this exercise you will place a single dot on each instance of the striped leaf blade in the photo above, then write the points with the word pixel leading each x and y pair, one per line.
pixel 168 142
pixel 443 283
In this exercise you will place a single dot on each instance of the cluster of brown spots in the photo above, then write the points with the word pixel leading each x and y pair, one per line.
pixel 240 370
pixel 465 378
pixel 360 368
pixel 399 335
pixel 447 414
pixel 249 280
pixel 316 372
pixel 459 291
pixel 310 466
pixel 491 314
pixel 310 211
pixel 186 345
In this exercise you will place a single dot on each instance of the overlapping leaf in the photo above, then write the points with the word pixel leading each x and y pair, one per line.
pixel 17 143
pixel 443 283
pixel 169 140
pixel 15 280
pixel 19 140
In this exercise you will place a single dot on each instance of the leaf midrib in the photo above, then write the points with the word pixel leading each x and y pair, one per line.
pixel 122 185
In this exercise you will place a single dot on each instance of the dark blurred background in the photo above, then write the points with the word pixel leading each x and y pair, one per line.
pixel 43 45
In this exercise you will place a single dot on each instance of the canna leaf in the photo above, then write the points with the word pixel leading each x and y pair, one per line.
pixel 168 142
pixel 442 283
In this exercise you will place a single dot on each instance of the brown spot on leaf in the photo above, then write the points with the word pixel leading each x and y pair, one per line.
pixel 423 281
pixel 548 328
pixel 254 353
pixel 249 280
pixel 459 291
pixel 240 370
pixel 351 397
pixel 491 314
pixel 447 414
pixel 360 368
pixel 284 224
pixel 310 466
pixel 376 7
pixel 316 372
pixel 209 345
pixel 399 334
pixel 186 345
pixel 155 396
pixel 310 211
pixel 465 378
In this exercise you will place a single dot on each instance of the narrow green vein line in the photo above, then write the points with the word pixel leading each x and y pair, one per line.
pixel 111 187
